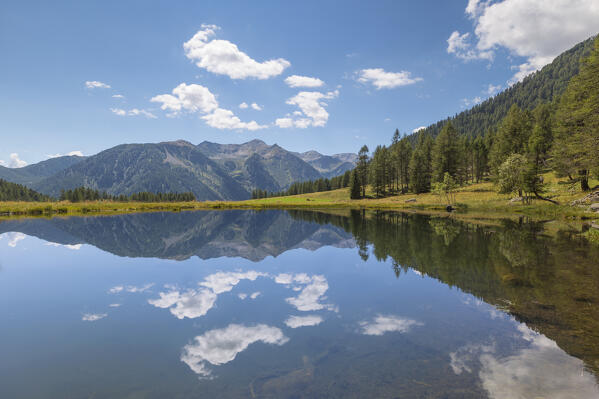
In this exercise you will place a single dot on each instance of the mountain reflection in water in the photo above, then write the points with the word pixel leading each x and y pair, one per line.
pixel 523 322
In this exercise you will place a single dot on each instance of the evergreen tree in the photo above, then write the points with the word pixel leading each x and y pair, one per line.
pixel 577 131
pixel 446 153
pixel 512 136
pixel 362 168
pixel 355 189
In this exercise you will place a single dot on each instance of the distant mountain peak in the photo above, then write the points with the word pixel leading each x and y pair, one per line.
pixel 180 142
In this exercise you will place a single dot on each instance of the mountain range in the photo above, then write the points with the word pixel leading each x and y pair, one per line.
pixel 181 235
pixel 211 171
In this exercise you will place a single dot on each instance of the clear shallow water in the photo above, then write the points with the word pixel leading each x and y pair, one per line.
pixel 275 304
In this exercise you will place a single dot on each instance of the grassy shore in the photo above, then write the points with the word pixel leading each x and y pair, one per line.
pixel 476 200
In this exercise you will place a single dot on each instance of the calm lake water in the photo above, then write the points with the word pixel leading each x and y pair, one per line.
pixel 277 304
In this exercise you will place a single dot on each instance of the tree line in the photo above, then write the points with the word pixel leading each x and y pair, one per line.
pixel 81 194
pixel 562 136
pixel 307 187
pixel 17 192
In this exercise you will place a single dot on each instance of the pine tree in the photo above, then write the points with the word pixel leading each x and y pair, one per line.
pixel 354 186
pixel 362 168
pixel 446 153
pixel 512 136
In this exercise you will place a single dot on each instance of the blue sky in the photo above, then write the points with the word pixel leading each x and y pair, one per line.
pixel 376 66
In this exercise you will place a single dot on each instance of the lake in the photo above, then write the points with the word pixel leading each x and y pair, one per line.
pixel 296 304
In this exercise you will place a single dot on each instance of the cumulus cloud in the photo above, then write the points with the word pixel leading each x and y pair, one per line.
pixel 537 30
pixel 114 305
pixel 189 98
pixel 541 370
pixel 226 119
pixel 467 102
pixel 94 84
pixel 93 316
pixel 312 110
pixel 418 129
pixel 221 346
pixel 195 98
pixel 224 58
pixel 382 79
pixel 243 105
pixel 118 96
pixel 311 291
pixel 190 304
pixel 15 161
pixel 133 112
pixel 389 323
pixel 256 107
pixel 303 321
pixel 195 303
pixel 303 81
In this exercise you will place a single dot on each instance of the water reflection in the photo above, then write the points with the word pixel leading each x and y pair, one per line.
pixel 221 346
pixel 338 322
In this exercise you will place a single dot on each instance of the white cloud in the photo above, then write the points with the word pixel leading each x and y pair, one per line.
pixel 190 304
pixel 226 119
pixel 94 84
pixel 492 90
pixel 225 281
pixel 382 79
pixel 133 112
pixel 243 105
pixel 541 370
pixel 72 247
pixel 418 129
pixel 382 324
pixel 14 238
pixel 190 98
pixel 303 321
pixel 303 81
pixel 15 161
pixel 196 303
pixel 256 107
pixel 242 296
pixel 114 305
pixel 255 295
pixel 474 101
pixel 537 30
pixel 221 346
pixel 311 104
pixel 118 96
pixel 313 290
pixel 130 288
pixel 224 58
pixel 72 153
pixel 196 98
pixel 93 316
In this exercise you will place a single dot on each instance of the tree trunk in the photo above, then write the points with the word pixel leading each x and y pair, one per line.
pixel 545 199
pixel 584 180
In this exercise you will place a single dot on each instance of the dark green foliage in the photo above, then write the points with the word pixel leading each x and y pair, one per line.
pixel 81 194
pixel 354 187
pixel 420 165
pixel 362 168
pixel 511 137
pixel 17 192
pixel 577 134
pixel 307 187
pixel 446 153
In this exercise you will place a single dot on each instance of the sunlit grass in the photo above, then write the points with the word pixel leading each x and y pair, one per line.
pixel 478 200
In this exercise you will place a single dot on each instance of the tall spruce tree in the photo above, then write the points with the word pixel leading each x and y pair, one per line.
pixel 362 168
pixel 511 137
pixel 355 190
pixel 446 153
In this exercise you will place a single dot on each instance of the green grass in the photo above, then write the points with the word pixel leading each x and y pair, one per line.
pixel 476 201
